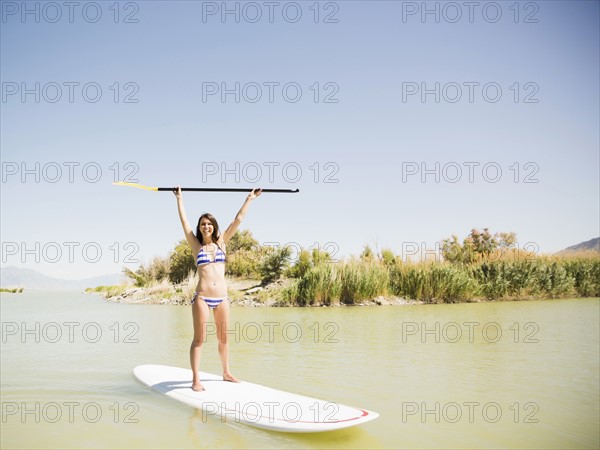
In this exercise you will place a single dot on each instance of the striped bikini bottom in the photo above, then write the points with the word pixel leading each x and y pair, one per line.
pixel 211 302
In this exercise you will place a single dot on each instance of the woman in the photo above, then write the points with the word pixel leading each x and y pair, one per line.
pixel 209 248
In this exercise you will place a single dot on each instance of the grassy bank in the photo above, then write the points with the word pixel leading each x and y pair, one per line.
pixel 12 291
pixel 534 277
pixel 481 267
pixel 156 291
pixel 165 292
pixel 357 280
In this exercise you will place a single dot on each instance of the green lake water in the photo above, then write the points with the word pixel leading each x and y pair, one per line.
pixel 486 375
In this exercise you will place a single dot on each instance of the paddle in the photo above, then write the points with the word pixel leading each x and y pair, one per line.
pixel 171 189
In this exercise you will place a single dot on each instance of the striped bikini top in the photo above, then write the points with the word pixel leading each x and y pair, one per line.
pixel 203 257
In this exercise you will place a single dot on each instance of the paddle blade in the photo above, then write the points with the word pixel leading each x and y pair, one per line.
pixel 141 186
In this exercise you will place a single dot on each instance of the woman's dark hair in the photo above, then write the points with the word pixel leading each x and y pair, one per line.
pixel 215 233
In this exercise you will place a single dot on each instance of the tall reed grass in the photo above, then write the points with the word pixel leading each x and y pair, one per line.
pixel 501 278
pixel 431 282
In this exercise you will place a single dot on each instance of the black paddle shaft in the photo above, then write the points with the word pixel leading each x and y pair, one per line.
pixel 285 191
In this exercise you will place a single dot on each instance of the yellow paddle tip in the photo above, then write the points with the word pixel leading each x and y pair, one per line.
pixel 125 183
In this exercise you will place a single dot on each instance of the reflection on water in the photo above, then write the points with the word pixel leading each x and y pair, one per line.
pixel 511 375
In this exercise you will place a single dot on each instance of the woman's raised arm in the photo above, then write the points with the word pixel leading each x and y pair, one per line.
pixel 187 229
pixel 232 228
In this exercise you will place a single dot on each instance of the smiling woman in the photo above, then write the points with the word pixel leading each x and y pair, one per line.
pixel 209 246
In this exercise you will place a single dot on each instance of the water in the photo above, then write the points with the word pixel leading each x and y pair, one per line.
pixel 489 375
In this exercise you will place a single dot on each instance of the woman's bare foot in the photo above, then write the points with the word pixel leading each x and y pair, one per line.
pixel 196 386
pixel 228 377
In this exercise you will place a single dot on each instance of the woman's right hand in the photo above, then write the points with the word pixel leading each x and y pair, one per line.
pixel 177 192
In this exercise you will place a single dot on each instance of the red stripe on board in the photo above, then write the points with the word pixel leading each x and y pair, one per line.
pixel 364 414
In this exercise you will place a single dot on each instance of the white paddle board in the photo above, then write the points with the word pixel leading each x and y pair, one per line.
pixel 250 403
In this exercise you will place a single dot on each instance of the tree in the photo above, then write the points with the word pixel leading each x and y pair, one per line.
pixel 476 246
pixel 274 263
pixel 243 255
pixel 140 277
pixel 181 262
pixel 506 240
pixel 241 240
pixel 157 270
pixel 452 250
pixel 302 264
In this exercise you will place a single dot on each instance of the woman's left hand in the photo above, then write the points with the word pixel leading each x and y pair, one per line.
pixel 255 193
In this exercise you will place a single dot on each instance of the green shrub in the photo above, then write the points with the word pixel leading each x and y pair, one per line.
pixel 244 263
pixel 241 240
pixel 181 261
pixel 302 264
pixel 274 262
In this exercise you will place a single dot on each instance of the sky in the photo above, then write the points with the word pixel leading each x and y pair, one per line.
pixel 401 123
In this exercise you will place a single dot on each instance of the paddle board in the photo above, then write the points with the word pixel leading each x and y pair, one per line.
pixel 250 403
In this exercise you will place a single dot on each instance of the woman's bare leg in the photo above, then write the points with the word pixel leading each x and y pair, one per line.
pixel 200 316
pixel 222 323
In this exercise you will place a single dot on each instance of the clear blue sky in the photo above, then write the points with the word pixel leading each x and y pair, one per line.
pixel 370 136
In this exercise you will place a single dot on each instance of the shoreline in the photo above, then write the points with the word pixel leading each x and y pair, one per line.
pixel 250 293
pixel 241 292
pixel 371 280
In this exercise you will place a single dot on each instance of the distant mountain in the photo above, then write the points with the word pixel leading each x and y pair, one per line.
pixel 11 277
pixel 592 244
